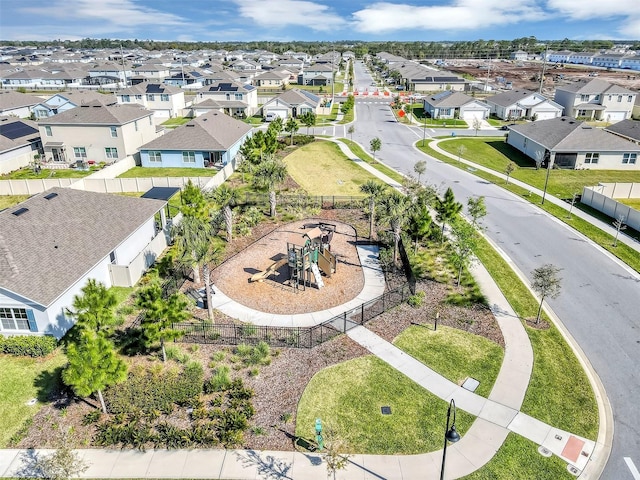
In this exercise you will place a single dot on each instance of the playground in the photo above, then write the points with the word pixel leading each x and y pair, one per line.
pixel 303 266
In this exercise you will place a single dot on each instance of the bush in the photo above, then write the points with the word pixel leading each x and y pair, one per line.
pixel 28 345
pixel 417 299
pixel 219 381
pixel 148 390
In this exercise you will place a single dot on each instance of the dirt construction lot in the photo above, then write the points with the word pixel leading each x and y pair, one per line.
pixel 275 294
pixel 526 75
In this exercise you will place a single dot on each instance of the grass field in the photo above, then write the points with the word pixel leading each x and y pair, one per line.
pixel 28 174
pixel 362 155
pixel 142 172
pixel 632 202
pixel 22 379
pixel 348 397
pixel 322 169
pixel 563 183
pixel 454 354
pixel 8 201
pixel 176 122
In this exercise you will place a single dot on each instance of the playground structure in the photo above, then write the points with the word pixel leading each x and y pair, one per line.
pixel 306 261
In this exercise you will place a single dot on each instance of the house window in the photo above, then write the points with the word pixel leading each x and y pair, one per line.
pixel 164 97
pixel 584 98
pixel 591 158
pixel 14 319
pixel 114 132
pixel 582 113
pixel 151 97
pixel 135 125
pixel 112 257
pixel 111 153
pixel 48 131
pixel 629 158
pixel 150 121
pixel 155 157
pixel 189 157
pixel 630 98
pixel 619 98
pixel 126 98
pixel 238 96
pixel 445 111
pixel 80 153
pixel 138 97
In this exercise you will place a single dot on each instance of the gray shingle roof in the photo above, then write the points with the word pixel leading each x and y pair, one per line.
pixel 213 131
pixel 593 87
pixel 143 88
pixel 449 99
pixel 626 128
pixel 504 99
pixel 94 113
pixel 56 242
pixel 15 132
pixel 10 100
pixel 570 135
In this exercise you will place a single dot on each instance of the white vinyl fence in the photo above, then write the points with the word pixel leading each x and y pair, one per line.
pixel 601 198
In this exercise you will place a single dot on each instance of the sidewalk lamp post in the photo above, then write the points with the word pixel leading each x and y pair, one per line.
pixel 450 435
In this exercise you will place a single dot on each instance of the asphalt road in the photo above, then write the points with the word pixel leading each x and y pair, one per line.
pixel 600 299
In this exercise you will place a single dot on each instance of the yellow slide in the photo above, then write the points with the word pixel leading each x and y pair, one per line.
pixel 271 270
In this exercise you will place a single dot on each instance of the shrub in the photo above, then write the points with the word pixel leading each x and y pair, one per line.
pixel 219 381
pixel 91 417
pixel 417 299
pixel 28 345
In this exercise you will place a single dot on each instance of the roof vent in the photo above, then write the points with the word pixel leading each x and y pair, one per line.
pixel 50 196
pixel 20 211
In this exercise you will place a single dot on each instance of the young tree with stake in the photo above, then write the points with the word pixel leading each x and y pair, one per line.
pixel 546 283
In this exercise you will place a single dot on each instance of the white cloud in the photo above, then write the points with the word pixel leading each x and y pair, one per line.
pixel 112 14
pixel 626 11
pixel 384 17
pixel 282 13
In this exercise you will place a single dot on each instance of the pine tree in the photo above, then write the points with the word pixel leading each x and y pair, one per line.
pixel 92 365
pixel 447 209
pixel 94 310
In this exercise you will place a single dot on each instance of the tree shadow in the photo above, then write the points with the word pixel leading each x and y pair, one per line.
pixel 268 467
pixel 512 153
pixel 130 341
pixel 30 465
pixel 49 385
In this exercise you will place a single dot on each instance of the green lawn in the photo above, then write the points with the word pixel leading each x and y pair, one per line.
pixel 28 174
pixel 348 397
pixel 176 122
pixel 362 155
pixel 8 201
pixel 454 354
pixel 495 154
pixel 142 172
pixel 22 379
pixel 606 241
pixel 322 169
pixel 518 459
pixel 559 392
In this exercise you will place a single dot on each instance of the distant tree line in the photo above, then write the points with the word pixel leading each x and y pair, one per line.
pixel 410 50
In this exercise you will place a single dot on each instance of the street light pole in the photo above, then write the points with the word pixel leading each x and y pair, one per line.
pixel 450 435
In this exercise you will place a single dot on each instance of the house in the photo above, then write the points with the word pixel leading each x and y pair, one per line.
pixel 569 143
pixel 210 140
pixel 19 142
pixel 561 56
pixel 17 104
pixel 239 100
pixel 54 242
pixel 451 104
pixel 519 55
pixel 514 104
pixel 631 62
pixel 157 72
pixel 109 72
pixel 272 79
pixel 192 79
pixel 292 103
pixel 596 100
pixel 96 133
pixel 582 58
pixel 435 82
pixel 628 129
pixel 165 101
pixel 317 74
pixel 61 102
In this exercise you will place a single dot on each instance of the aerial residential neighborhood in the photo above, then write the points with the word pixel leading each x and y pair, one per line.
pixel 224 254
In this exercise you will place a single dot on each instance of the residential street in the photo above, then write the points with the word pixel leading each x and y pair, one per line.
pixel 600 297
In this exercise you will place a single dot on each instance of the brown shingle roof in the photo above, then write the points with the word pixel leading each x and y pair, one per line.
pixel 94 113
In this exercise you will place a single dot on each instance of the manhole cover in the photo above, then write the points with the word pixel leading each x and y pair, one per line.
pixel 33 401
pixel 386 410
pixel 573 470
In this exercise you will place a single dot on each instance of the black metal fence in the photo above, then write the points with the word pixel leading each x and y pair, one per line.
pixel 406 266
pixel 296 337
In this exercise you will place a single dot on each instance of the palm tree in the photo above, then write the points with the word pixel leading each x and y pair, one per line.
pixel 419 224
pixel 226 197
pixel 395 211
pixel 420 167
pixel 268 175
pixel 374 190
pixel 447 208
pixel 291 127
pixel 376 144
pixel 189 234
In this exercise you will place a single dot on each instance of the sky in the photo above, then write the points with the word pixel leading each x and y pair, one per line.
pixel 319 20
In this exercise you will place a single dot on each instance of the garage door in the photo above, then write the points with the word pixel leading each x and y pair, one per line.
pixel 615 116
pixel 545 115
pixel 162 113
pixel 281 112
pixel 470 115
